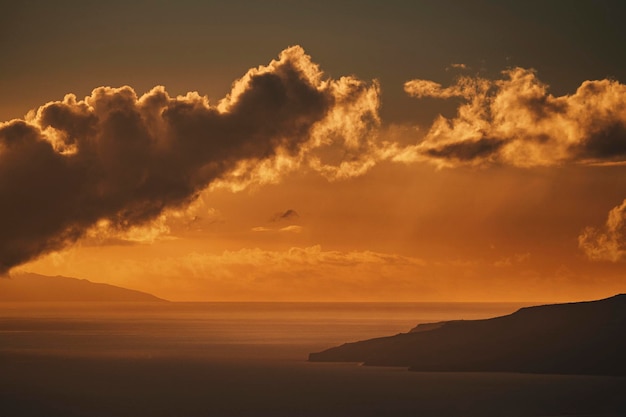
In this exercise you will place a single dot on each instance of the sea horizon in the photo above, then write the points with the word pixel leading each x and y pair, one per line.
pixel 250 359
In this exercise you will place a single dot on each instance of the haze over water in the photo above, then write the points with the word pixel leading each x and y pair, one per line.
pixel 249 359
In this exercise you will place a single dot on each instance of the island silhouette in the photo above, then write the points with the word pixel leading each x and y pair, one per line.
pixel 30 287
pixel 573 338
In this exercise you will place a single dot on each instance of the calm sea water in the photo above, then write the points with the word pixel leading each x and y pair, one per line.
pixel 249 359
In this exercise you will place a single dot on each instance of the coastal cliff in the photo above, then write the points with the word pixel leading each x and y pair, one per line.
pixel 573 338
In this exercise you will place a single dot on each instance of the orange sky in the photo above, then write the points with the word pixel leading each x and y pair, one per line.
pixel 499 179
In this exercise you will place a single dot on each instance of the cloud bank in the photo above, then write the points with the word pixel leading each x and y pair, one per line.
pixel 116 163
pixel 122 160
pixel 516 121
pixel 309 273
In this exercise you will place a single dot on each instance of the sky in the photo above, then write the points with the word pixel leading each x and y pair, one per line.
pixel 317 151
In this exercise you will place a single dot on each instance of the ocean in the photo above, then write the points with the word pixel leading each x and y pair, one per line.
pixel 250 359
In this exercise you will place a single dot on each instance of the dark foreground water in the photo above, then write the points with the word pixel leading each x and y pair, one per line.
pixel 249 359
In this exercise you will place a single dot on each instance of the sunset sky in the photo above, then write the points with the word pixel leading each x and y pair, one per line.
pixel 317 151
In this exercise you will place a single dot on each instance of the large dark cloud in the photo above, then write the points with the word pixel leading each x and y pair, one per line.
pixel 124 159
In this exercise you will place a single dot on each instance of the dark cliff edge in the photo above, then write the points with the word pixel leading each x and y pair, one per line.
pixel 574 338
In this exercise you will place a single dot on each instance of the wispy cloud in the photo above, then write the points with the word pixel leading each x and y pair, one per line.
pixel 458 66
pixel 287 229
pixel 297 273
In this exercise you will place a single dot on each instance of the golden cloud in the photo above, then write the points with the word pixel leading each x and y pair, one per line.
pixel 516 121
pixel 609 242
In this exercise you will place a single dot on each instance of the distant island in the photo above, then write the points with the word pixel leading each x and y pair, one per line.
pixel 574 338
pixel 30 287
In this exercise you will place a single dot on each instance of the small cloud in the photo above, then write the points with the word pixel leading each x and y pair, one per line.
pixel 291 229
pixel 607 243
pixel 457 67
pixel 426 88
pixel 287 229
pixel 518 258
pixel 288 214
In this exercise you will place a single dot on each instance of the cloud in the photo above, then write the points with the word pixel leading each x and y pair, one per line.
pixel 288 214
pixel 344 144
pixel 103 233
pixel 298 273
pixel 292 228
pixel 122 160
pixel 426 88
pixel 508 261
pixel 315 273
pixel 287 229
pixel 516 121
pixel 607 243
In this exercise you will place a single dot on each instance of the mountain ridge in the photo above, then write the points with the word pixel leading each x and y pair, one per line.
pixel 571 338
pixel 31 287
